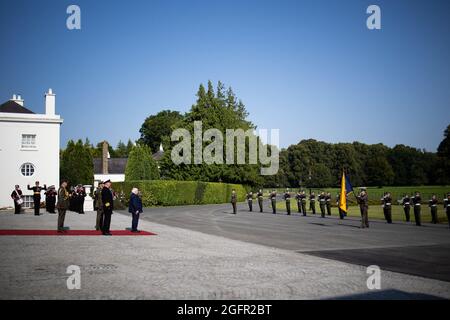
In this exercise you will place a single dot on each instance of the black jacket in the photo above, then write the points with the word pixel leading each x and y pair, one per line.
pixel 107 199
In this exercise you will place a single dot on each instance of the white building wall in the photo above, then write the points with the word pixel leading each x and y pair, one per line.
pixel 45 157
pixel 113 177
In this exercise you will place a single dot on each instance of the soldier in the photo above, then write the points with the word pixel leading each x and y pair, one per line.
pixel 303 198
pixel 16 195
pixel 50 199
pixel 233 200
pixel 416 201
pixel 98 206
pixel 433 207
pixel 250 201
pixel 386 202
pixel 260 200
pixel 80 194
pixel 37 196
pixel 447 207
pixel 312 203
pixel 341 212
pixel 322 202
pixel 328 203
pixel 287 198
pixel 363 201
pixel 108 207
pixel 298 197
pixel 406 206
pixel 62 205
pixel 273 201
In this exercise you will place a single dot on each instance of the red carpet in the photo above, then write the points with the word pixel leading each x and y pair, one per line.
pixel 13 232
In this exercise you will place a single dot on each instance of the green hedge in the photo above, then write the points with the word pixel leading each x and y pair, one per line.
pixel 174 193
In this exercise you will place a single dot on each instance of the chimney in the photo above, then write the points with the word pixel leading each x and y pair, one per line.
pixel 105 157
pixel 17 99
pixel 50 103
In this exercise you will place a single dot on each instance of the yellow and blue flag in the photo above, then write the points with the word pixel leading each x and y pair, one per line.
pixel 346 188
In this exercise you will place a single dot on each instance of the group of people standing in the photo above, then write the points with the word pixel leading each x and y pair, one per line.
pixel 325 204
pixel 50 198
pixel 64 200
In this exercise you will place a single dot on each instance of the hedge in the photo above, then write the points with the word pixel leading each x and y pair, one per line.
pixel 174 193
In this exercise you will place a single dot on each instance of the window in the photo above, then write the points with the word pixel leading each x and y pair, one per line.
pixel 28 201
pixel 27 169
pixel 28 141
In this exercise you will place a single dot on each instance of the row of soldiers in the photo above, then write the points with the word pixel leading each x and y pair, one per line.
pixel 325 204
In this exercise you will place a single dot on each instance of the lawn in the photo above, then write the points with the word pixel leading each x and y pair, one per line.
pixel 375 211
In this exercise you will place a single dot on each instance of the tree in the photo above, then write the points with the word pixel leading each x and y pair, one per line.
pixel 379 172
pixel 443 159
pixel 76 163
pixel 158 126
pixel 140 165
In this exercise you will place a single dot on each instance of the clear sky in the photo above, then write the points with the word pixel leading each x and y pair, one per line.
pixel 310 68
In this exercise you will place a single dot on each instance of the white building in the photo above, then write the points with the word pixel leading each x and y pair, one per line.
pixel 29 147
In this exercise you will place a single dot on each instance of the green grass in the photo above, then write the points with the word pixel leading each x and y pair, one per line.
pixel 375 212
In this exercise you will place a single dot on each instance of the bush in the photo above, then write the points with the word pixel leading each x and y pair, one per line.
pixel 174 193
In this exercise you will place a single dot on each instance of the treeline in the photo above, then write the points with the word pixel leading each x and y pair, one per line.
pixel 317 164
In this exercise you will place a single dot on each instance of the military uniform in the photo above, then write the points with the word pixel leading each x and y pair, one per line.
pixel 50 200
pixel 273 201
pixel 447 208
pixel 16 195
pixel 287 198
pixel 299 202
pixel 322 202
pixel 406 202
pixel 386 202
pixel 363 201
pixel 260 201
pixel 303 199
pixel 62 205
pixel 108 207
pixel 234 201
pixel 98 206
pixel 250 201
pixel 312 203
pixel 328 203
pixel 37 197
pixel 416 201
pixel 433 207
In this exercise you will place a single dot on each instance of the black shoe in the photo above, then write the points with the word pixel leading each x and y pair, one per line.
pixel 107 234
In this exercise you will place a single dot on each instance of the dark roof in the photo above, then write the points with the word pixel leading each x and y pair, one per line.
pixel 118 165
pixel 115 165
pixel 13 107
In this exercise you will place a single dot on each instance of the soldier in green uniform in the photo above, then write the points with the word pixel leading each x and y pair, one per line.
pixel 386 202
pixel 98 206
pixel 341 212
pixel 62 205
pixel 299 201
pixel 273 201
pixel 433 207
pixel 260 200
pixel 447 207
pixel 406 202
pixel 417 203
pixel 328 203
pixel 37 196
pixel 233 200
pixel 322 202
pixel 250 201
pixel 312 202
pixel 287 198
pixel 363 201
pixel 303 199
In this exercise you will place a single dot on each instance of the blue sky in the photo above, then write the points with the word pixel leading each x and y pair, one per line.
pixel 304 67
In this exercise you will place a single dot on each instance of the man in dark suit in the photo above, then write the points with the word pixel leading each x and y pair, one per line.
pixel 135 208
pixel 108 207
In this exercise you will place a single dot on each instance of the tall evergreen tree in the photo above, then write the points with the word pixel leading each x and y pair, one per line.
pixel 141 165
